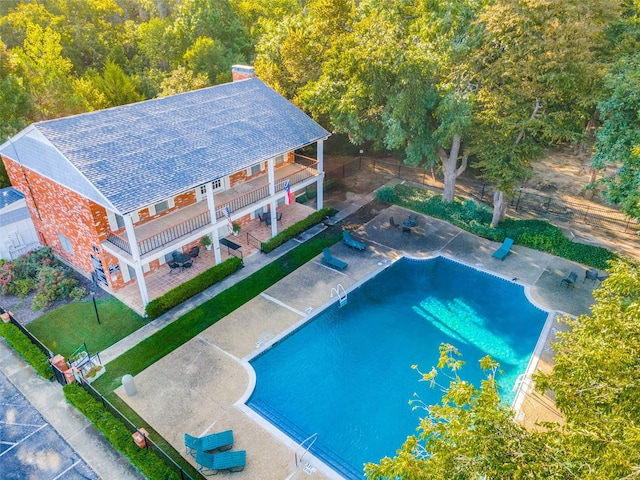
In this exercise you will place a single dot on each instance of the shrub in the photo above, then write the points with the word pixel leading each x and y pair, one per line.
pixel 295 229
pixel 24 286
pixel 117 434
pixel 192 287
pixel 78 293
pixel 27 350
pixel 476 218
pixel 386 195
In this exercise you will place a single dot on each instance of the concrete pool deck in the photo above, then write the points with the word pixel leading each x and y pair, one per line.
pixel 204 383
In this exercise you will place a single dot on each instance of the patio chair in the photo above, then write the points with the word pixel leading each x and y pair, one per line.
pixel 208 443
pixel 350 242
pixel 173 266
pixel 212 463
pixel 393 224
pixel 279 216
pixel 330 261
pixel 187 265
pixel 504 249
pixel 194 252
pixel 570 280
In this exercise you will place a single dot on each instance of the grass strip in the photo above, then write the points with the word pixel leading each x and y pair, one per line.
pixel 188 326
pixel 64 329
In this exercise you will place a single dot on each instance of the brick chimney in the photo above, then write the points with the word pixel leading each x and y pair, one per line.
pixel 242 72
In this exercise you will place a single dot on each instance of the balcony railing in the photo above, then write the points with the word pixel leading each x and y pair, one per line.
pixel 165 237
pixel 308 169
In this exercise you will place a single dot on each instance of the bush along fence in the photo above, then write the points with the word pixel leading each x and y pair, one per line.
pixel 476 218
pixel 546 206
pixel 145 454
pixel 296 229
pixel 132 441
pixel 26 345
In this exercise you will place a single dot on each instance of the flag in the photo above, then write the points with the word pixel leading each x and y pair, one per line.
pixel 287 193
pixel 227 214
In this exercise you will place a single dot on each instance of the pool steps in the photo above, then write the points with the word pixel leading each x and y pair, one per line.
pixel 340 292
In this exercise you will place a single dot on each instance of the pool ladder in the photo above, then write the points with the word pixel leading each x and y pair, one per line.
pixel 340 293
pixel 312 439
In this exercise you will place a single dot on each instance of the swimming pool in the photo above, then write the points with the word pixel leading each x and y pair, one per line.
pixel 346 374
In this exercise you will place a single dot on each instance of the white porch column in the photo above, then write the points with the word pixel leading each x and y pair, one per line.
pixel 135 254
pixel 212 211
pixel 319 187
pixel 272 192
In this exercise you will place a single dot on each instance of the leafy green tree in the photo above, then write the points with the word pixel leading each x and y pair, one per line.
pixel 47 74
pixel 619 136
pixel 182 80
pixel 117 87
pixel 15 102
pixel 539 73
pixel 596 379
pixel 207 57
pixel 255 15
pixel 398 79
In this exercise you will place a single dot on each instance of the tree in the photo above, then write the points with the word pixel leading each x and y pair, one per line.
pixel 47 74
pixel 618 139
pixel 182 80
pixel 117 87
pixel 398 79
pixel 539 73
pixel 596 379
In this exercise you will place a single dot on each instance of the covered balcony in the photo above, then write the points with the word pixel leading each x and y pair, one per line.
pixel 188 221
pixel 163 280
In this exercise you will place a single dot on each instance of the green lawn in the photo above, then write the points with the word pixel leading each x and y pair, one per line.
pixel 64 329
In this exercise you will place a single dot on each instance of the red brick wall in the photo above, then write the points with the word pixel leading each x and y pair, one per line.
pixel 57 210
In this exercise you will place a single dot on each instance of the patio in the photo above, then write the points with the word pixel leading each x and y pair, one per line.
pixel 208 379
pixel 161 281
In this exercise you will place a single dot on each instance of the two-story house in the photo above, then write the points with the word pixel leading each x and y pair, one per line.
pixel 115 192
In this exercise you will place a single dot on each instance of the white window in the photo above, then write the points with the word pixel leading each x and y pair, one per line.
pixel 279 159
pixel 65 243
pixel 218 186
pixel 255 169
pixel 161 206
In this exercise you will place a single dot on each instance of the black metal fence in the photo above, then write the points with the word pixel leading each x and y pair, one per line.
pixel 546 206
pixel 149 443
pixel 62 379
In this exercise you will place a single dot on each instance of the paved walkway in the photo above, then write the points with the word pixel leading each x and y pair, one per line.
pixel 252 264
pixel 47 456
pixel 208 379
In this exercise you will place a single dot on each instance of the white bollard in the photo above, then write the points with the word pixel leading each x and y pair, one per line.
pixel 129 386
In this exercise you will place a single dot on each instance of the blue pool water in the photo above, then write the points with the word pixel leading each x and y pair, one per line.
pixel 346 374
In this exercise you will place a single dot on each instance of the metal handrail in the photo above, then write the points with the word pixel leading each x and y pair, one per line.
pixel 315 437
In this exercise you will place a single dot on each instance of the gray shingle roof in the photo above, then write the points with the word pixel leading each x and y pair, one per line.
pixel 131 156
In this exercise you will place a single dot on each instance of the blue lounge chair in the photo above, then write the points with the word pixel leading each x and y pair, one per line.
pixel 504 249
pixel 350 242
pixel 330 261
pixel 207 443
pixel 212 463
